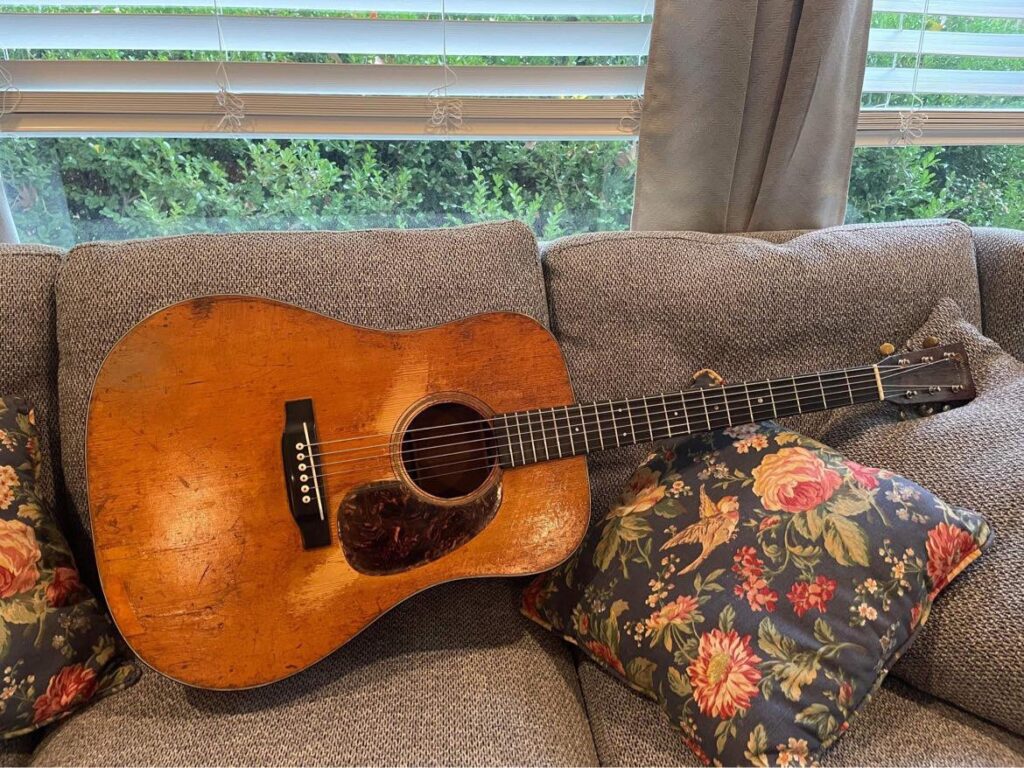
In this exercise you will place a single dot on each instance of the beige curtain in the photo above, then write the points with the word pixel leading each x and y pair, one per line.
pixel 750 114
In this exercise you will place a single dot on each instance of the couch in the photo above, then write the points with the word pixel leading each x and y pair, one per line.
pixel 456 675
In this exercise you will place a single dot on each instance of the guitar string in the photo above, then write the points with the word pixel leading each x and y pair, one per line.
pixel 836 371
pixel 654 421
pixel 484 444
pixel 716 416
pixel 491 463
pixel 488 424
pixel 560 420
pixel 564 419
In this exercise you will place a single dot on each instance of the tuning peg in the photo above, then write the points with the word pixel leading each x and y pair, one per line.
pixel 925 410
pixel 886 349
pixel 930 341
pixel 904 415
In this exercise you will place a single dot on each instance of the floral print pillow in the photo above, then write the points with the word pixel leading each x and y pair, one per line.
pixel 58 649
pixel 759 586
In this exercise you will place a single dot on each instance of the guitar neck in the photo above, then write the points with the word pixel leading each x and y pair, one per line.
pixel 547 434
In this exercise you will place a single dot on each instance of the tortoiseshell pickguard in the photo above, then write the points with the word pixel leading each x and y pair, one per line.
pixel 386 528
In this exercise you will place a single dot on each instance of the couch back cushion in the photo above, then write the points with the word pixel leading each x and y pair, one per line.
pixel 384 279
pixel 638 313
pixel 1001 272
pixel 28 344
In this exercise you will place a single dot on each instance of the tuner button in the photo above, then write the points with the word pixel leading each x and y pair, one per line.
pixel 930 341
pixel 903 415
pixel 946 407
pixel 886 349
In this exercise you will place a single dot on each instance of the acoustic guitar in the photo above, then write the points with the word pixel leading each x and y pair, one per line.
pixel 265 481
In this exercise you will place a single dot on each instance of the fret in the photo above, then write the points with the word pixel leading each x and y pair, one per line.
pixel 849 388
pixel 824 397
pixel 686 413
pixel 647 413
pixel 750 406
pixel 668 421
pixel 615 423
pixel 707 415
pixel 757 398
pixel 725 401
pixel 796 393
pixel 771 394
pixel 568 426
pixel 543 434
pixel 597 421
pixel 508 435
pixel 634 420
pixel 519 437
pixel 558 441
pixel 533 444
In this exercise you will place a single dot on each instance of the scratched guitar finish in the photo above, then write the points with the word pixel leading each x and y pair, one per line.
pixel 264 481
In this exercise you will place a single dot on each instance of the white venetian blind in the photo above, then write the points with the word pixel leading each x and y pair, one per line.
pixel 938 71
pixel 532 68
pixel 945 71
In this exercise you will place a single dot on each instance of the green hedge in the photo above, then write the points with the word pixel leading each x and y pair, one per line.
pixel 71 190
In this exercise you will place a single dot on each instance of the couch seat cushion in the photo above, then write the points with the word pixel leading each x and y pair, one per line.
pixel 640 312
pixel 455 677
pixel 899 726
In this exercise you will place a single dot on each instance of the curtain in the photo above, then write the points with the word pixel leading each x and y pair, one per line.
pixel 750 114
pixel 8 234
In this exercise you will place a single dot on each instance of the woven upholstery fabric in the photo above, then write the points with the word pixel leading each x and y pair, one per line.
pixel 453 677
pixel 18 751
pixel 28 346
pixel 969 652
pixel 1001 272
pixel 640 312
pixel 380 278
pixel 899 727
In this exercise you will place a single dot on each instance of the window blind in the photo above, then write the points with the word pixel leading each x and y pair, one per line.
pixel 519 68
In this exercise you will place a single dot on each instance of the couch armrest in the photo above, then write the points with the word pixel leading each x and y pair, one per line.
pixel 1000 254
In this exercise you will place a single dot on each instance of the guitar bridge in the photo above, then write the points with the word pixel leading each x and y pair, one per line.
pixel 307 496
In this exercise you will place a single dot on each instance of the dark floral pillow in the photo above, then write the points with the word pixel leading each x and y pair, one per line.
pixel 58 649
pixel 759 586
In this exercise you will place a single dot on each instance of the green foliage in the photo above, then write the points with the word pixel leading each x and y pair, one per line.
pixel 980 185
pixel 70 190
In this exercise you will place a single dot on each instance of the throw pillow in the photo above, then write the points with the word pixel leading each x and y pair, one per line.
pixel 58 649
pixel 759 586
pixel 970 654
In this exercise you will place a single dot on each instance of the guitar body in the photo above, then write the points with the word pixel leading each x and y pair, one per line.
pixel 206 570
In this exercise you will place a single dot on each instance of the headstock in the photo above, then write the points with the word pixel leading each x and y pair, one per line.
pixel 937 375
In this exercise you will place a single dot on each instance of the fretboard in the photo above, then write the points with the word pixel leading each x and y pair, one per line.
pixel 547 434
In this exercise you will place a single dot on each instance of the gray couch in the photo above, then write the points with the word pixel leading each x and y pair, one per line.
pixel 456 675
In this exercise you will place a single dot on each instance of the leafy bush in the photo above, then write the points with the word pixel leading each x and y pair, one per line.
pixel 71 190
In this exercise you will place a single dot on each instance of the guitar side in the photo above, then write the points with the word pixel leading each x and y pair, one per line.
pixel 200 559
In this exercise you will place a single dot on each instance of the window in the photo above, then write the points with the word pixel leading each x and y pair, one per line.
pixel 154 117
pixel 337 101
pixel 951 73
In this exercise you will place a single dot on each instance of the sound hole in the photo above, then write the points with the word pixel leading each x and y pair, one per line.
pixel 448 450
